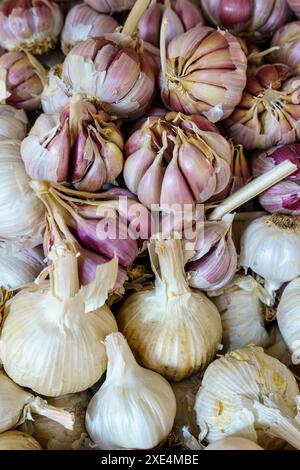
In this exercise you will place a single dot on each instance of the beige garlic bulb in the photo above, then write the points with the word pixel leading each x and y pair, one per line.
pixel 18 405
pixel 16 440
pixel 50 434
pixel 134 408
pixel 233 443
pixel 13 123
pixel 170 328
pixel 278 347
pixel 249 394
pixel 242 313
pixel 288 317
pixel 61 325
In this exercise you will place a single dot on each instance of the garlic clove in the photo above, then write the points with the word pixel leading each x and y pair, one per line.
pixel 152 180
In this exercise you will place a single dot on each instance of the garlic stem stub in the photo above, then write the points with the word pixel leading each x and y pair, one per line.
pixel 81 146
pixel 31 25
pixel 270 247
pixel 110 6
pixel 248 394
pixel 134 408
pixel 59 319
pixel 16 440
pixel 170 328
pixel 13 123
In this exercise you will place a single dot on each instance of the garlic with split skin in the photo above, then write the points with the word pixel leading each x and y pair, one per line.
pixel 170 328
pixel 52 435
pixel 13 123
pixel 134 408
pixel 242 313
pixel 62 325
pixel 18 405
pixel 55 95
pixel 270 247
pixel 286 42
pixel 233 443
pixel 248 394
pixel 16 440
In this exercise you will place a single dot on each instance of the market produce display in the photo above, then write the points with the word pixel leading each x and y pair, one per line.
pixel 149 225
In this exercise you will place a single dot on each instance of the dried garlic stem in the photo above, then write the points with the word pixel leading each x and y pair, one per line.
pixel 163 47
pixel 171 264
pixel 135 16
pixel 61 416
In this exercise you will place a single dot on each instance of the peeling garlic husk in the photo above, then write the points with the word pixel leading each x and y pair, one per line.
pixel 170 328
pixel 278 347
pixel 22 213
pixel 134 408
pixel 13 123
pixel 55 95
pixel 241 307
pixel 59 319
pixel 53 436
pixel 270 247
pixel 16 440
pixel 233 443
pixel 17 405
pixel 252 395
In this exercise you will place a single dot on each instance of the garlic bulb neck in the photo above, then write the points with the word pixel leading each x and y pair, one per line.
pixel 121 362
pixel 64 279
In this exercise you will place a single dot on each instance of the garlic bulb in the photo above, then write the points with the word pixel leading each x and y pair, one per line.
pixel 278 347
pixel 22 80
pixel 22 214
pixel 269 112
pixel 62 326
pixel 19 265
pixel 176 159
pixel 255 19
pixel 233 443
pixel 170 328
pixel 16 440
pixel 270 247
pixel 191 84
pixel 18 404
pixel 83 22
pixel 80 146
pixel 13 123
pixel 110 6
pixel 134 408
pixel 242 313
pixel 32 25
pixel 50 434
pixel 252 395
pixel 288 317
pixel 55 95
pixel 286 42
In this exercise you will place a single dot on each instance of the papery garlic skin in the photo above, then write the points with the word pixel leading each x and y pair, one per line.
pixel 57 319
pixel 16 440
pixel 13 123
pixel 22 214
pixel 288 317
pixel 270 247
pixel 190 83
pixel 170 328
pixel 19 265
pixel 278 347
pixel 251 395
pixel 83 22
pixel 233 443
pixel 53 436
pixel 110 6
pixel 33 25
pixel 295 6
pixel 134 408
pixel 242 313
pixel 287 40
pixel 55 95
pixel 269 111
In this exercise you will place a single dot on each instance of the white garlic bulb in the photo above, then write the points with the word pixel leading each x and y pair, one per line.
pixel 13 123
pixel 249 394
pixel 242 313
pixel 22 213
pixel 270 246
pixel 233 443
pixel 19 265
pixel 134 408
pixel 17 405
pixel 16 440
pixel 288 317
pixel 52 337
pixel 278 347
pixel 170 328
pixel 50 434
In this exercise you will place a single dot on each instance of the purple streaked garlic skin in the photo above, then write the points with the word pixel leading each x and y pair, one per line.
pixel 83 22
pixel 294 6
pixel 283 197
pixel 110 6
pixel 287 40
pixel 23 81
pixel 31 25
pixel 181 17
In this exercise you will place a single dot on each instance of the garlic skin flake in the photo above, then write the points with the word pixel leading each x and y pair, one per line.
pixel 134 408
pixel 288 317
pixel 242 313
pixel 247 393
pixel 270 246
pixel 233 443
pixel 170 328
pixel 62 326
pixel 13 123
pixel 16 440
